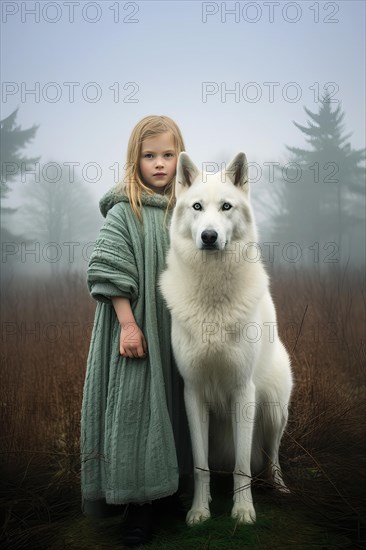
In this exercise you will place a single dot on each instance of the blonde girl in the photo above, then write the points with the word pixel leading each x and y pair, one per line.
pixel 133 423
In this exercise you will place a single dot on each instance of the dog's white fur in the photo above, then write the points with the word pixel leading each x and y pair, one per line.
pixel 224 334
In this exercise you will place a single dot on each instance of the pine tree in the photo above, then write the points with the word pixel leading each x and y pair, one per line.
pixel 13 139
pixel 327 200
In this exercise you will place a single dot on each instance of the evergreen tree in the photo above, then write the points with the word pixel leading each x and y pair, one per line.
pixel 12 140
pixel 322 191
pixel 13 163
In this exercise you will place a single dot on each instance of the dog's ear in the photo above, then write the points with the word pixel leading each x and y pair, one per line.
pixel 237 171
pixel 187 172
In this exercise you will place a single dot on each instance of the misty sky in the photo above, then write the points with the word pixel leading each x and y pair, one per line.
pixel 167 50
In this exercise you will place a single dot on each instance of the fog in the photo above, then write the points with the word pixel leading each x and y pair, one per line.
pixel 271 79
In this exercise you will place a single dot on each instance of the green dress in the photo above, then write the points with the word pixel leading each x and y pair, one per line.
pixel 134 431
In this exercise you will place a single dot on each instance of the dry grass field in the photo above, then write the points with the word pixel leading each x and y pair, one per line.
pixel 46 328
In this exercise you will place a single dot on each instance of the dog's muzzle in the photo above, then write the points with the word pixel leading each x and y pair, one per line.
pixel 209 238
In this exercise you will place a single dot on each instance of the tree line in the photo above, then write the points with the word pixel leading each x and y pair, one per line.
pixel 317 197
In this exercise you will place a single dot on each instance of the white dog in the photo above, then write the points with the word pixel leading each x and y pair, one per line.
pixel 224 333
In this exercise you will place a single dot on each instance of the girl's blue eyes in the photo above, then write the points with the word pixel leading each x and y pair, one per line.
pixel 149 155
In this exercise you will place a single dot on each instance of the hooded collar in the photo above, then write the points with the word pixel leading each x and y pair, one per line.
pixel 111 198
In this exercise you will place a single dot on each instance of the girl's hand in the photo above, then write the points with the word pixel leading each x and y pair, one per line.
pixel 132 341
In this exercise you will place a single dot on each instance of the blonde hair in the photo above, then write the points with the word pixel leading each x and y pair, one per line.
pixel 132 184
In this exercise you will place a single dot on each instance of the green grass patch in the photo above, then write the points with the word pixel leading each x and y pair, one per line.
pixel 281 523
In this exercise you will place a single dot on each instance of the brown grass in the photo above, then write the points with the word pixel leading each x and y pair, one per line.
pixel 321 318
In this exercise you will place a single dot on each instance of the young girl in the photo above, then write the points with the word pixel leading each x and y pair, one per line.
pixel 134 432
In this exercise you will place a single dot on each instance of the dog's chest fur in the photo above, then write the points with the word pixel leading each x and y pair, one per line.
pixel 211 314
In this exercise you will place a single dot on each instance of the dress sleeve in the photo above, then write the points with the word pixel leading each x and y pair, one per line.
pixel 112 269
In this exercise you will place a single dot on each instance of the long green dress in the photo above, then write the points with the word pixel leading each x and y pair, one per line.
pixel 134 432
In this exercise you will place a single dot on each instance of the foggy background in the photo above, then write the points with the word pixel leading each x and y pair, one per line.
pixel 282 81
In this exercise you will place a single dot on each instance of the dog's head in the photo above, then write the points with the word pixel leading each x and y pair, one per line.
pixel 213 210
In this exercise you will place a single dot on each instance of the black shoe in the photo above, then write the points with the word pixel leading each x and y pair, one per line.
pixel 139 525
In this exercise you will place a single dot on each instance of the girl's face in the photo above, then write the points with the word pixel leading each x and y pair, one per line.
pixel 158 161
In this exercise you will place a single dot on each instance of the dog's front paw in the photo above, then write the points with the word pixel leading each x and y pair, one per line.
pixel 197 515
pixel 243 513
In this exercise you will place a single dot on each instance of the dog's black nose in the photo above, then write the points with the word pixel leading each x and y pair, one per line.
pixel 209 236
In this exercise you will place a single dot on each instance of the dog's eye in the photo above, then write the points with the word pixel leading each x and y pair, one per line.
pixel 197 206
pixel 226 206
